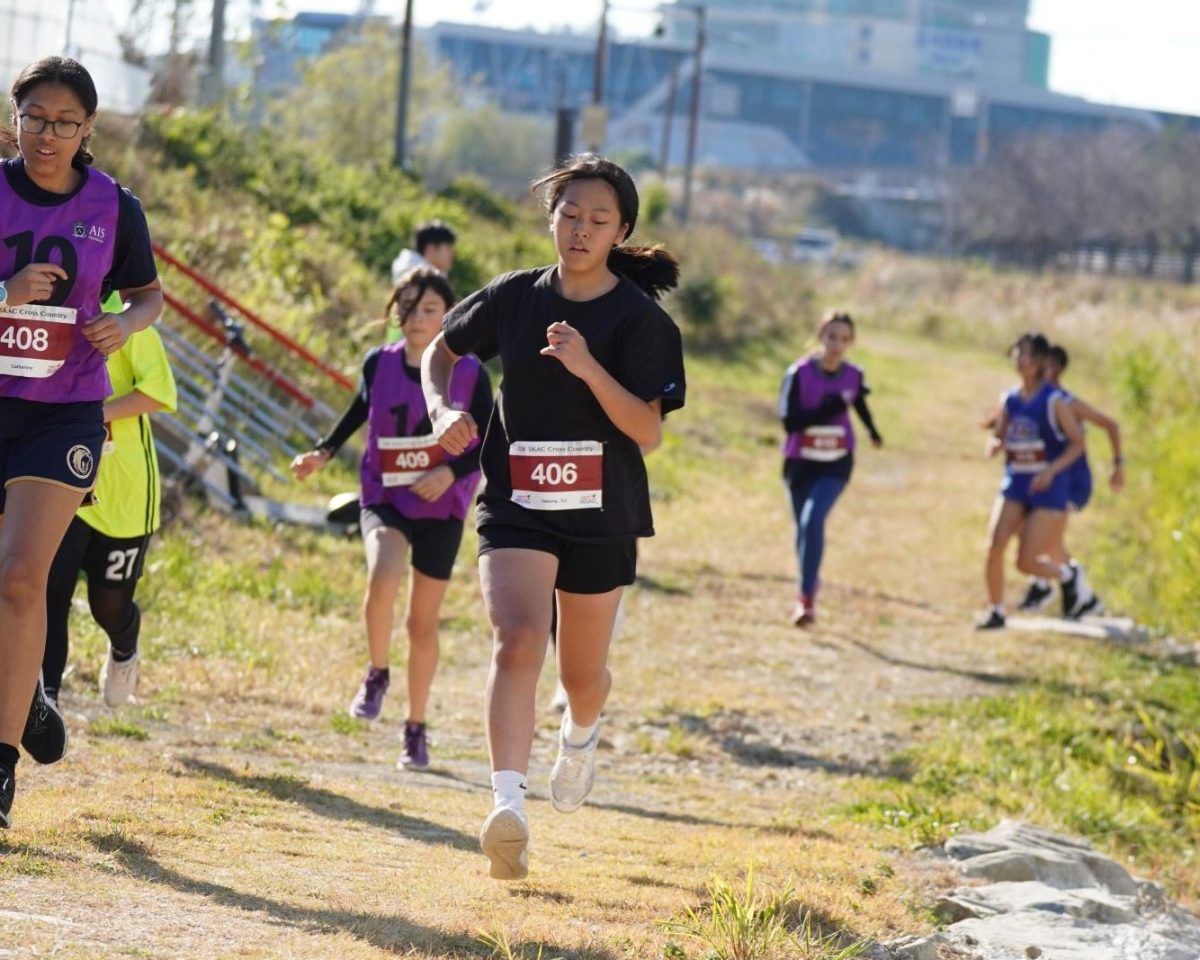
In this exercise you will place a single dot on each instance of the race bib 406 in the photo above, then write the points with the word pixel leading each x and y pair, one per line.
pixel 557 475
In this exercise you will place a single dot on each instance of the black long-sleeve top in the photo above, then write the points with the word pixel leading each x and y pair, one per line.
pixel 355 415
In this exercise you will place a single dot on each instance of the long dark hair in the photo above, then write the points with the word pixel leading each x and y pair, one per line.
pixel 423 279
pixel 66 72
pixel 652 268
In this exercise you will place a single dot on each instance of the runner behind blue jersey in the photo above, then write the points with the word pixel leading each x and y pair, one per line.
pixel 70 233
pixel 1041 439
pixel 591 364
pixel 414 496
pixel 1040 593
pixel 818 451
pixel 107 541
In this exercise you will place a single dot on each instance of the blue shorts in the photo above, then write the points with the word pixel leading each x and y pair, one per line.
pixel 56 443
pixel 1080 488
pixel 1055 497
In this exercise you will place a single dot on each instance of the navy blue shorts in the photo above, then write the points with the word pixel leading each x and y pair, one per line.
pixel 56 443
pixel 1016 488
pixel 434 542
pixel 1081 489
pixel 582 567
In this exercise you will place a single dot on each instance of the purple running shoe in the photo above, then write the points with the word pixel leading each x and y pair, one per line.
pixel 369 700
pixel 416 747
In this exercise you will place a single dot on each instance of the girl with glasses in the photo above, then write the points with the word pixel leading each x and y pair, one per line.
pixel 70 235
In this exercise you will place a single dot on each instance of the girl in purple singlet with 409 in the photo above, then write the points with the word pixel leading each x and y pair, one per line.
pixel 71 235
pixel 414 495
pixel 818 452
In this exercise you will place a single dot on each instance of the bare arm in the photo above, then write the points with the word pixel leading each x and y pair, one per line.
pixel 453 429
pixel 1085 411
pixel 132 404
pixel 638 419
pixel 109 331
pixel 1070 428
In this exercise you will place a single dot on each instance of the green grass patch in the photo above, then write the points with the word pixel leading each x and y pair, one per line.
pixel 117 727
pixel 1104 746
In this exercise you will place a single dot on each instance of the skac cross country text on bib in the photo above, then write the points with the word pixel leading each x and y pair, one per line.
pixel 557 475
pixel 35 340
pixel 404 459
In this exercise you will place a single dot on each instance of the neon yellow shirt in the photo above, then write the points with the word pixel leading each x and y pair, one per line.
pixel 127 485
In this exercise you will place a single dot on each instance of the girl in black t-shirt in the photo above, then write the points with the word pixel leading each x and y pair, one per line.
pixel 591 365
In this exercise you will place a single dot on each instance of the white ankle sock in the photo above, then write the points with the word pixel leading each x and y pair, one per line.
pixel 1041 583
pixel 508 789
pixel 575 735
pixel 998 608
pixel 1066 572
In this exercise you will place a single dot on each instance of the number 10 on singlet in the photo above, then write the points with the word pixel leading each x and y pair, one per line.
pixel 557 475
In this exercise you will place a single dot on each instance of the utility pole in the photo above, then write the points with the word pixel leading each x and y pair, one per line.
pixel 664 153
pixel 401 153
pixel 67 51
pixel 595 117
pixel 214 78
pixel 694 114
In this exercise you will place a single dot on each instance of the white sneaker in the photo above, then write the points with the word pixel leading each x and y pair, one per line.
pixel 574 771
pixel 560 699
pixel 118 680
pixel 505 840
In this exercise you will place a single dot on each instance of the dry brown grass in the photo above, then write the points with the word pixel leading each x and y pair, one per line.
pixel 252 823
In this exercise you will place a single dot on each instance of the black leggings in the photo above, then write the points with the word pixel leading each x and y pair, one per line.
pixel 83 550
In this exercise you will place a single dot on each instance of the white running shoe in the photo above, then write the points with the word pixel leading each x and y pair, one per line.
pixel 560 700
pixel 505 840
pixel 118 680
pixel 574 771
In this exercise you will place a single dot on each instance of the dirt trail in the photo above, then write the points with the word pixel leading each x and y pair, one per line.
pixel 247 825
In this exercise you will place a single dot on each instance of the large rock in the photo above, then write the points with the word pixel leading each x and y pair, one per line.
pixel 1054 897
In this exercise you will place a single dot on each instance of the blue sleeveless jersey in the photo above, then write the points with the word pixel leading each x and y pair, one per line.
pixel 1079 474
pixel 1032 440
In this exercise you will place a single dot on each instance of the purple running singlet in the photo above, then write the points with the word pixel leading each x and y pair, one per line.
pixel 397 454
pixel 828 441
pixel 44 355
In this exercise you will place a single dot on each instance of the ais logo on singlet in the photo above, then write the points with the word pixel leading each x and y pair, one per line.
pixel 81 230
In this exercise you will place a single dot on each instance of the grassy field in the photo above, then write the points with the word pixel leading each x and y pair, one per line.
pixel 236 811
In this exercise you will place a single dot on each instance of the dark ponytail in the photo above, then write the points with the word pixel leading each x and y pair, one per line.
pixel 68 73
pixel 653 269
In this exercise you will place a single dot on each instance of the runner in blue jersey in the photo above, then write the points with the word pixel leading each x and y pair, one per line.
pixel 414 497
pixel 1040 438
pixel 70 233
pixel 1040 592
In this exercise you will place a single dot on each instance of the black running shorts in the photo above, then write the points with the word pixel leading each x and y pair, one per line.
pixel 56 443
pixel 434 542
pixel 582 567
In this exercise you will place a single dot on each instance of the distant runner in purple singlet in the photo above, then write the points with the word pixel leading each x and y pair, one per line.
pixel 70 235
pixel 413 494
pixel 818 451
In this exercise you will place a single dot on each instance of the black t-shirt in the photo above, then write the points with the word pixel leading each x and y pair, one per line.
pixel 133 258
pixel 540 400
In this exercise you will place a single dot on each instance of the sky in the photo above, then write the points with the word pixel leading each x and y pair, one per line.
pixel 1138 53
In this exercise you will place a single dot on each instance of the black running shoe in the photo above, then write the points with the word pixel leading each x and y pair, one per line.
pixel 1092 604
pixel 45 736
pixel 1037 597
pixel 8 786
pixel 994 621
pixel 1070 593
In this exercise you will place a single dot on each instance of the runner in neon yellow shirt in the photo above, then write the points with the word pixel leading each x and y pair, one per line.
pixel 107 541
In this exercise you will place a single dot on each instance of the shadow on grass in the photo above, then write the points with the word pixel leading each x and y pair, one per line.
pixel 326 803
pixel 389 932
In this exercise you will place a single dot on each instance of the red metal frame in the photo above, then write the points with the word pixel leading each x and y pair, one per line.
pixel 274 333
pixel 264 369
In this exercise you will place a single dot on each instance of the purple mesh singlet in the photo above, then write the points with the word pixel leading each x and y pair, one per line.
pixel 833 440
pixel 394 457
pixel 43 353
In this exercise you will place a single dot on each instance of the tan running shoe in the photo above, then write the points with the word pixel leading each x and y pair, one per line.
pixel 118 680
pixel 505 840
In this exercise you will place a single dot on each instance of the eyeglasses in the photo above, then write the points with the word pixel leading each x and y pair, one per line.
pixel 63 129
